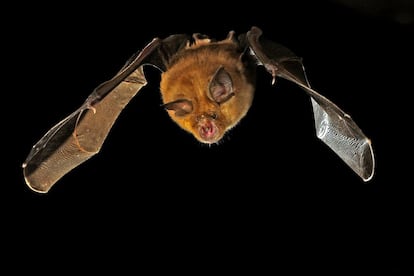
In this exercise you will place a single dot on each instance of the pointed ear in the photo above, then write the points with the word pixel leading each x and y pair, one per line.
pixel 221 86
pixel 181 107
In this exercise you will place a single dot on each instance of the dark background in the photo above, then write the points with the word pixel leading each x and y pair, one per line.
pixel 271 197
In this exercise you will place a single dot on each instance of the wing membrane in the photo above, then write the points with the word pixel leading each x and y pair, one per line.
pixel 80 135
pixel 339 131
pixel 333 126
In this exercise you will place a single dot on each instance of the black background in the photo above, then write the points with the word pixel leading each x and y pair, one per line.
pixel 269 197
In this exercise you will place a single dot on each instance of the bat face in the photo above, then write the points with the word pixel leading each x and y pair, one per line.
pixel 208 88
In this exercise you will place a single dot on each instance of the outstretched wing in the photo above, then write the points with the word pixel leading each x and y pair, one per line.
pixel 80 135
pixel 333 126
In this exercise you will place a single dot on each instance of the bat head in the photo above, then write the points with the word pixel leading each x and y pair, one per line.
pixel 208 88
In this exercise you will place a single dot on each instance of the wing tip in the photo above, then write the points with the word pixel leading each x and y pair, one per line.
pixel 368 174
pixel 42 189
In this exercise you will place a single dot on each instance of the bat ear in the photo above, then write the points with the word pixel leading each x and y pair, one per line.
pixel 181 107
pixel 221 86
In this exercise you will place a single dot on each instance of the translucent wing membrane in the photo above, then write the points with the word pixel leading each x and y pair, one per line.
pixel 77 137
pixel 344 137
pixel 333 126
pixel 337 130
pixel 81 134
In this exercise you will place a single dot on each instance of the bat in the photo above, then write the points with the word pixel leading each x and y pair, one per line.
pixel 207 86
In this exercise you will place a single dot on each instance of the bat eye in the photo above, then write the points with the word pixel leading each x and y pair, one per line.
pixel 213 115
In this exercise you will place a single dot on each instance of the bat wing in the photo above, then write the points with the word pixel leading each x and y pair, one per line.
pixel 333 126
pixel 80 135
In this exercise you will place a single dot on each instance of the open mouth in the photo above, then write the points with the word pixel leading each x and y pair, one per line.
pixel 208 131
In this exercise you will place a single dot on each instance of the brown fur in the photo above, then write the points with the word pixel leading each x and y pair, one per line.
pixel 188 77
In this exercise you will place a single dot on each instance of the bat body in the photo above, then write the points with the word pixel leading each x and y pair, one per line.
pixel 207 87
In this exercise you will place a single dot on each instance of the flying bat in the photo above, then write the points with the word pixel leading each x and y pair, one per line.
pixel 207 86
